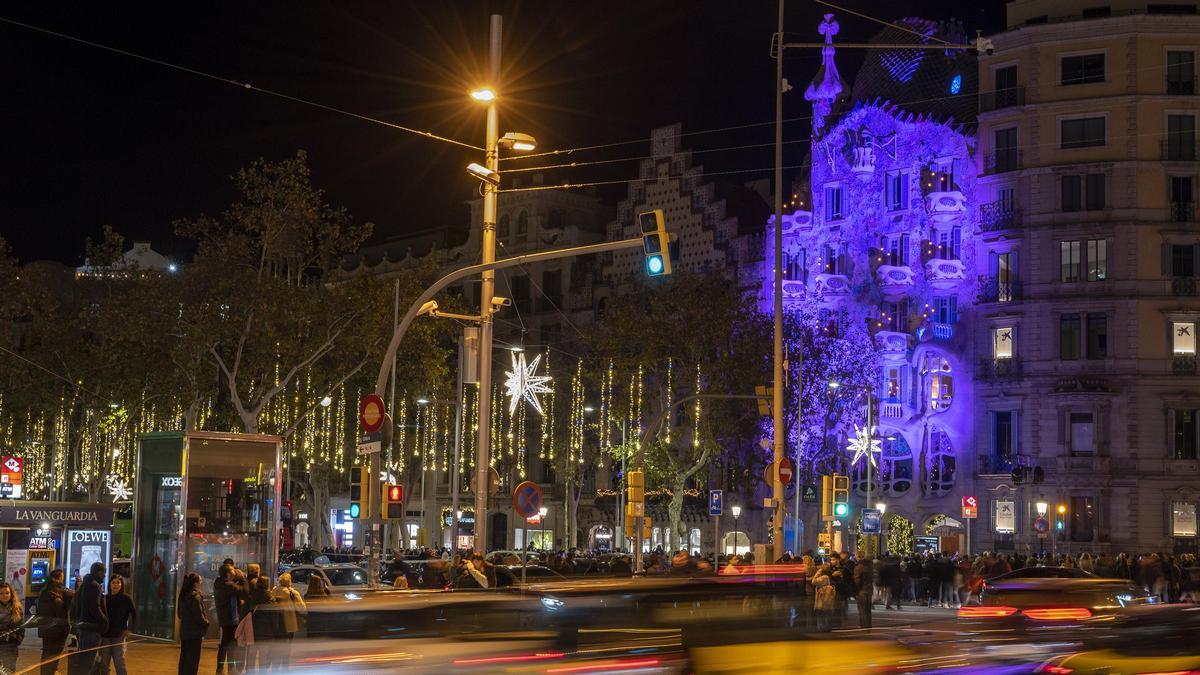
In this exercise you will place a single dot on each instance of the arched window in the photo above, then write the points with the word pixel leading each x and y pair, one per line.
pixel 939 464
pixel 896 465
pixel 523 227
pixel 503 234
pixel 939 382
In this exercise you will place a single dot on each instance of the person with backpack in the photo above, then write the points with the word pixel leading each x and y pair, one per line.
pixel 91 620
pixel 53 607
pixel 824 598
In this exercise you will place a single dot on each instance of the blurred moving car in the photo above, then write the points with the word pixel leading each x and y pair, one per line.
pixel 1044 573
pixel 339 577
pixel 1053 601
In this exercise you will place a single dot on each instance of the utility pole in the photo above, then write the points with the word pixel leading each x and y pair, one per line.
pixel 486 286
pixel 456 478
pixel 777 398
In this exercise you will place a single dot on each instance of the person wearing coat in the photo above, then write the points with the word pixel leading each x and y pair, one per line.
pixel 193 624
pixel 864 585
pixel 53 608
pixel 12 633
pixel 824 598
pixel 290 611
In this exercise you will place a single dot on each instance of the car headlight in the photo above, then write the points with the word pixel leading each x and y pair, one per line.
pixel 552 604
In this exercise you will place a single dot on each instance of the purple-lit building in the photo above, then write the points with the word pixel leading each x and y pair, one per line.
pixel 885 260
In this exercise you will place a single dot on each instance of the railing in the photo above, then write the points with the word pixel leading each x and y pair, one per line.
pixel 1001 98
pixel 943 331
pixel 998 216
pixel 891 410
pixel 1003 160
pixel 992 289
pixel 1182 212
pixel 1181 149
pixel 999 369
pixel 1181 87
pixel 1183 286
pixel 1184 364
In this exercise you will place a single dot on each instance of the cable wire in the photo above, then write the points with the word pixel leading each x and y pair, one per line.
pixel 885 23
pixel 241 85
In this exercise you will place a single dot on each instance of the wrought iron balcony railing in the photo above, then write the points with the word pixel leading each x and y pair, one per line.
pixel 1001 98
pixel 998 216
pixel 992 289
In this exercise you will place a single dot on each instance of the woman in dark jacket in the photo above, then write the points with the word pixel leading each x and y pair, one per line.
pixel 11 630
pixel 257 656
pixel 121 616
pixel 193 624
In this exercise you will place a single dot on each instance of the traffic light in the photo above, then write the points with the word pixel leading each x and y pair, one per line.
pixel 356 492
pixel 646 528
pixel 656 243
pixel 630 517
pixel 841 495
pixel 827 498
pixel 393 502
pixel 1060 523
pixel 637 487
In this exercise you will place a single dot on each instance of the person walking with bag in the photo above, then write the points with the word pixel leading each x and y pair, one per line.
pixel 92 621
pixel 193 624
pixel 12 633
pixel 121 617
pixel 229 594
pixel 291 612
pixel 262 628
pixel 53 607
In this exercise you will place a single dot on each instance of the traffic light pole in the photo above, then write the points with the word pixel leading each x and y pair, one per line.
pixel 777 285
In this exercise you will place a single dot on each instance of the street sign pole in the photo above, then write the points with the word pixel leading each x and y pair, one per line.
pixel 374 420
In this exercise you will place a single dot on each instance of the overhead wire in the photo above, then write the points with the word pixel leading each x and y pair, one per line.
pixel 241 85
pixel 529 275
pixel 885 23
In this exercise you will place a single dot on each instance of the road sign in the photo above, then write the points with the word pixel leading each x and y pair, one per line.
pixel 808 493
pixel 1041 525
pixel 527 499
pixel 370 442
pixel 970 507
pixel 11 477
pixel 870 521
pixel 786 471
pixel 716 502
pixel 493 474
pixel 370 412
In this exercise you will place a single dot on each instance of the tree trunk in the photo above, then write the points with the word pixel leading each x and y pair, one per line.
pixel 675 515
pixel 574 492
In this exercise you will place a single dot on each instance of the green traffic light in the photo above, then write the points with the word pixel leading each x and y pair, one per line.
pixel 654 265
pixel 840 509
pixel 355 510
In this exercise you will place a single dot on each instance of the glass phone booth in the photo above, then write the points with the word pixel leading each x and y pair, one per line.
pixel 201 497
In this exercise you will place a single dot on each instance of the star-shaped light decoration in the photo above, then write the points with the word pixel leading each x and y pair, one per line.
pixel 521 383
pixel 864 443
pixel 119 489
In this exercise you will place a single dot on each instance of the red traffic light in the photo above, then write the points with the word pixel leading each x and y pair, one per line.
pixel 395 493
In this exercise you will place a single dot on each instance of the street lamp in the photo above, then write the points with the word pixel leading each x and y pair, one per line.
pixel 881 507
pixel 1042 507
pixel 737 511
pixel 542 521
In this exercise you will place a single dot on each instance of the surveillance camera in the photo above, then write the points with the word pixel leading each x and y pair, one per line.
pixel 498 302
pixel 428 308
pixel 984 46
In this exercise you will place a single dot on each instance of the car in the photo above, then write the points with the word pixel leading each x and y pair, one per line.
pixel 1053 602
pixel 1044 573
pixel 338 577
pixel 513 557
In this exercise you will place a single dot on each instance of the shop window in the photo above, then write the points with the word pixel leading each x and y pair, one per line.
pixel 1083 518
pixel 1002 342
pixel 1183 519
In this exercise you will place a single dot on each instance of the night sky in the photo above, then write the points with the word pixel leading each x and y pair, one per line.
pixel 95 138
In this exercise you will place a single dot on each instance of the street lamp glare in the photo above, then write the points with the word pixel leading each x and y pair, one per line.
pixel 484 174
pixel 881 507
pixel 422 401
pixel 589 409
pixel 542 512
pixel 736 511
pixel 484 95
pixel 516 349
pixel 518 141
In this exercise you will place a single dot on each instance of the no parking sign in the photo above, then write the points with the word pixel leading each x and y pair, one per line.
pixel 527 499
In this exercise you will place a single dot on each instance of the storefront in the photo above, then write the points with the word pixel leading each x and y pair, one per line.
pixel 40 537
pixel 201 497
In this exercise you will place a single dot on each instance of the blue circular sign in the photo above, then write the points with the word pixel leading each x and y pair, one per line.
pixel 527 499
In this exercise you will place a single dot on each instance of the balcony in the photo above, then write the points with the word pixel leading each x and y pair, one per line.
pixel 945 206
pixel 793 290
pixel 1184 287
pixel 944 274
pixel 1001 98
pixel 1182 212
pixel 1179 149
pixel 1001 161
pixel 891 343
pixel 894 280
pixel 891 410
pixel 1185 87
pixel 832 286
pixel 998 216
pixel 1184 364
pixel 992 289
pixel 999 369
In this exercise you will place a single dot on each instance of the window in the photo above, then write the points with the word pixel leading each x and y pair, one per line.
pixel 1096 12
pixel 1006 87
pixel 941 465
pixel 1183 519
pixel 1083 132
pixel 555 220
pixel 1181 73
pixel 1002 342
pixel 1007 198
pixel 1097 259
pixel 1007 151
pixel 833 202
pixel 1069 261
pixel 1181 137
pixel 1004 439
pixel 940 382
pixel 523 227
pixel 504 227
pixel 552 288
pixel 1003 268
pixel 1094 192
pixel 1183 337
pixel 1097 336
pixel 1181 194
pixel 1083 433
pixel 894 384
pixel 896 465
pixel 835 259
pixel 946 308
pixel 895 316
pixel 1183 433
pixel 897 190
pixel 1068 337
pixel 1083 518
pixel 520 291
pixel 949 243
pixel 1072 193
pixel 895 249
pixel 1180 260
pixel 795 266
pixel 1081 69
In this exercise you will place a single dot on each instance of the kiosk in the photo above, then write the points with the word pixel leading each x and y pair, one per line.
pixel 201 497
pixel 42 536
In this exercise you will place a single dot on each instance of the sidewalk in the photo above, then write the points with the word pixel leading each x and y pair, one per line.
pixel 143 658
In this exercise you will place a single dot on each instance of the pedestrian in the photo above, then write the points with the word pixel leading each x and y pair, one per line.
pixel 193 624
pixel 290 615
pixel 12 633
pixel 864 584
pixel 121 618
pixel 92 622
pixel 263 623
pixel 890 579
pixel 316 588
pixel 229 595
pixel 53 608
pixel 824 598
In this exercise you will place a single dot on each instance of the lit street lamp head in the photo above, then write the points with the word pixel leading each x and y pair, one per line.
pixel 422 401
pixel 834 385
pixel 736 511
pixel 518 141
pixel 484 95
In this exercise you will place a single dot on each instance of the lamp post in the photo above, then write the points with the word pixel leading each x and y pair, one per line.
pixel 870 438
pixel 881 507
pixel 542 521
pixel 1042 507
pixel 736 511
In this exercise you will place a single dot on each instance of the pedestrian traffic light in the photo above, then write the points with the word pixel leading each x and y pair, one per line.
pixel 356 492
pixel 393 502
pixel 637 487
pixel 841 495
pixel 656 243
pixel 630 520
pixel 646 528
pixel 1060 523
